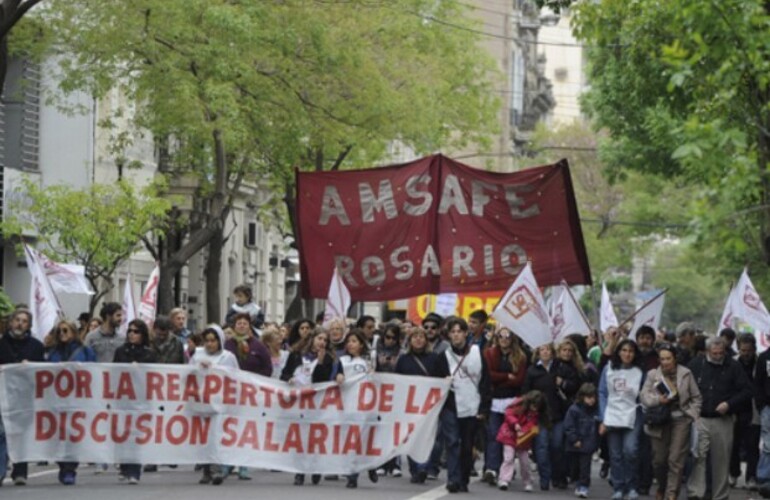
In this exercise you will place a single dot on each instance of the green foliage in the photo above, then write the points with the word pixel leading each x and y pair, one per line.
pixel 99 226
pixel 6 304
pixel 681 87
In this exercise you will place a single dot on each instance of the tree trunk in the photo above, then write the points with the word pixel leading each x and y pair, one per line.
pixel 213 268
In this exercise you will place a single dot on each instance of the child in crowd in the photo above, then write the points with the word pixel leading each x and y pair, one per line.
pixel 581 431
pixel 244 303
pixel 517 435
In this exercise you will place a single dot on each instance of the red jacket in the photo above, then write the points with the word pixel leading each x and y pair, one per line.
pixel 507 434
pixel 502 386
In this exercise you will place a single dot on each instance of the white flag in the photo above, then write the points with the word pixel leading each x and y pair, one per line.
pixel 129 308
pixel 729 313
pixel 567 316
pixel 338 300
pixel 149 301
pixel 43 303
pixel 748 307
pixel 649 314
pixel 522 309
pixel 608 318
pixel 64 278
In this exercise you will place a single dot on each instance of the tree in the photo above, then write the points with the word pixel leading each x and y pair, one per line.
pixel 246 91
pixel 98 227
pixel 11 12
pixel 682 89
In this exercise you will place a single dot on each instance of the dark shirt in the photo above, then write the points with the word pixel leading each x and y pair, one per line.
pixel 16 350
pixel 725 382
pixel 134 353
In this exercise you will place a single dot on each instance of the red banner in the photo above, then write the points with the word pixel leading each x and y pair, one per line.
pixel 436 225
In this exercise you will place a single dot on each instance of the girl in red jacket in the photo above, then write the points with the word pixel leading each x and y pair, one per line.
pixel 517 434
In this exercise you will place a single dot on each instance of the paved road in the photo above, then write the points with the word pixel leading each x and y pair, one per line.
pixel 181 484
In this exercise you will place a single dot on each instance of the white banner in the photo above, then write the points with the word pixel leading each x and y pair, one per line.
pixel 149 301
pixel 338 301
pixel 522 309
pixel 567 316
pixel 65 278
pixel 728 314
pixel 607 314
pixel 649 314
pixel 43 303
pixel 747 306
pixel 128 306
pixel 180 414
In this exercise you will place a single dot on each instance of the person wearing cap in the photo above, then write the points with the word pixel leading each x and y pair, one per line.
pixel 432 325
pixel 685 342
pixel 725 389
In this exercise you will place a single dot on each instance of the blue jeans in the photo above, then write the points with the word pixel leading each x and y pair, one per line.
pixel 624 456
pixel 3 452
pixel 493 456
pixel 450 433
pixel 433 466
pixel 549 454
pixel 763 467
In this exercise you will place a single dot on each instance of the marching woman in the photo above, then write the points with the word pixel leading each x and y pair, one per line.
pixel 387 354
pixel 213 353
pixel 272 338
pixel 68 347
pixel 621 419
pixel 301 330
pixel 354 362
pixel 467 403
pixel 310 362
pixel 673 386
pixel 420 361
pixel 507 365
pixel 135 350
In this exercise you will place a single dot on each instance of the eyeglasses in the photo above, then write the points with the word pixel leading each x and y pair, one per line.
pixel 430 327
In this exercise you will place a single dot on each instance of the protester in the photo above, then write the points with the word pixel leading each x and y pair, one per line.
pixel 746 430
pixel 368 325
pixel 507 365
pixel 674 386
pixel 725 389
pixel 244 303
pixel 252 355
pixel 619 387
pixel 432 325
pixel 648 356
pixel 477 327
pixel 387 355
pixel 18 346
pixel 105 339
pixel 354 363
pixel 68 348
pixel 136 349
pixel 213 353
pixel 272 339
pixel 310 362
pixel 468 401
pixel 685 338
pixel 337 329
pixel 301 329
pixel 421 362
pixel 178 318
pixel 516 434
pixel 581 434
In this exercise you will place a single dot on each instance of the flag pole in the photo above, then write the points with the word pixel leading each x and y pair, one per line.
pixel 641 308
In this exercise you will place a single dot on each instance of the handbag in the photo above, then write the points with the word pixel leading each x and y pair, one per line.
pixel 523 440
pixel 657 415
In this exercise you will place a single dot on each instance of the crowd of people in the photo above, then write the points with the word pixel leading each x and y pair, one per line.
pixel 662 411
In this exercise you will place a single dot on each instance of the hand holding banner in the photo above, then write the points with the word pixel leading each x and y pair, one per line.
pixel 522 309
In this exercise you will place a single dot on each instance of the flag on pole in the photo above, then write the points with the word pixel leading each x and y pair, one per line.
pixel 129 307
pixel 728 314
pixel 64 278
pixel 522 309
pixel 567 316
pixel 337 301
pixel 149 301
pixel 43 303
pixel 649 314
pixel 608 318
pixel 744 303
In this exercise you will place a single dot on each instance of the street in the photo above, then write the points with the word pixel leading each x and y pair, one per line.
pixel 182 484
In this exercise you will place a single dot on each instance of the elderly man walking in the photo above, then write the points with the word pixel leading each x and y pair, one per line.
pixel 725 389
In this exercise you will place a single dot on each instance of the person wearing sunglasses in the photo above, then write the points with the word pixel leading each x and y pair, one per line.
pixel 68 348
pixel 432 326
pixel 136 349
